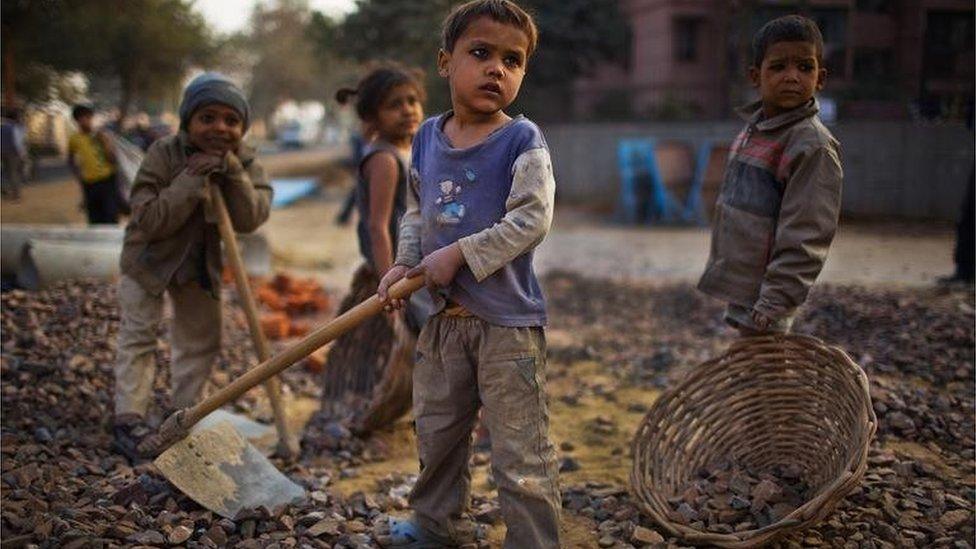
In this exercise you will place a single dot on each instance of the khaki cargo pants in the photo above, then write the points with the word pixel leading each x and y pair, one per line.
pixel 464 363
pixel 194 335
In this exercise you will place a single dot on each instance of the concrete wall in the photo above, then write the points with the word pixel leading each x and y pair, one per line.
pixel 892 169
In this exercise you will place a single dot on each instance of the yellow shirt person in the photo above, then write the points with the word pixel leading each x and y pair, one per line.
pixel 92 160
pixel 88 154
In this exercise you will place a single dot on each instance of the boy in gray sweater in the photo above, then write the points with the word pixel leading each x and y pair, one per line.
pixel 778 208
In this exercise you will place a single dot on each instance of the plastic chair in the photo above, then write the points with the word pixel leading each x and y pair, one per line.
pixel 638 165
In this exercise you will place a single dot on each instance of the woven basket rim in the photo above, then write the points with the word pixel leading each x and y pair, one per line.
pixel 815 508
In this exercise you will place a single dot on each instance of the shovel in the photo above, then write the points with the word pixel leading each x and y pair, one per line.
pixel 215 467
pixel 287 447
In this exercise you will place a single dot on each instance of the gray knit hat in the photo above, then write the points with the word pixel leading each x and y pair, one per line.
pixel 209 88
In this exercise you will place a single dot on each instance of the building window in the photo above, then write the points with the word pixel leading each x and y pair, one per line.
pixel 873 6
pixel 686 30
pixel 833 27
pixel 948 44
pixel 873 63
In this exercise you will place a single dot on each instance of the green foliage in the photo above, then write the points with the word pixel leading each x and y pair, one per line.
pixel 403 30
pixel 293 55
pixel 285 66
pixel 406 31
pixel 575 35
pixel 144 45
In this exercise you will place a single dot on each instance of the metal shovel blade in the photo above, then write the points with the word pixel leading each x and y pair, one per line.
pixel 261 436
pixel 222 472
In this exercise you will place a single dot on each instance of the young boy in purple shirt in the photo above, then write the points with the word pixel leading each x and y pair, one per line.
pixel 481 199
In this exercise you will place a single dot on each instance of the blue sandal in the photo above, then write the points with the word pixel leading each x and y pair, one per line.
pixel 407 534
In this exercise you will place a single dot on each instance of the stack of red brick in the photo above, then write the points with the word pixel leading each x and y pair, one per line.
pixel 288 299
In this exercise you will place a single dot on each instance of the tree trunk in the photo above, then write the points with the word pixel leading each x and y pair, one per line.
pixel 128 92
pixel 9 75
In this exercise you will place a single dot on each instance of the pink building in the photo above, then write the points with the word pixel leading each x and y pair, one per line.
pixel 687 58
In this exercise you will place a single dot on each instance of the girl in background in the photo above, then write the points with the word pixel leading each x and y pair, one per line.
pixel 368 370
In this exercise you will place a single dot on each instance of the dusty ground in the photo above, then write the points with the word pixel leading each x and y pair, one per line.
pixel 864 254
pixel 625 324
pixel 305 238
pixel 58 201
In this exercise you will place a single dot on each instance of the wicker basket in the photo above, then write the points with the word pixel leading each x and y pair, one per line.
pixel 770 400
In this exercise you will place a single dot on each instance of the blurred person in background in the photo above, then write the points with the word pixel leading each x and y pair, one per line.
pixel 91 157
pixel 357 147
pixel 13 153
pixel 965 252
pixel 389 104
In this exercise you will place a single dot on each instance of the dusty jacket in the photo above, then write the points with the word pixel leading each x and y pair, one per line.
pixel 777 212
pixel 168 216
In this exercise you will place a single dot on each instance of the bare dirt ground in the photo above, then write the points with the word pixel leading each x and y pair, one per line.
pixel 59 201
pixel 305 237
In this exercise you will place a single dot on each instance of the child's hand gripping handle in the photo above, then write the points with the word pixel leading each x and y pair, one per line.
pixel 178 425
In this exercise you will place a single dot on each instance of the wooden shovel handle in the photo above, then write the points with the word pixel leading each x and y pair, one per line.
pixel 324 334
pixel 272 386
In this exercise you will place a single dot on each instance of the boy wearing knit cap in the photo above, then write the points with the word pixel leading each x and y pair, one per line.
pixel 172 246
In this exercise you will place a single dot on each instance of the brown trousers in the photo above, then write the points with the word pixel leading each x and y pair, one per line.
pixel 464 363
pixel 195 338
pixel 740 318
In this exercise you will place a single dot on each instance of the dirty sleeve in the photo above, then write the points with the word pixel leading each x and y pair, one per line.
pixel 408 239
pixel 247 193
pixel 806 227
pixel 529 209
pixel 160 207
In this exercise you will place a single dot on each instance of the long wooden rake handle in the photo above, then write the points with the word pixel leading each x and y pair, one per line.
pixel 287 444
pixel 178 424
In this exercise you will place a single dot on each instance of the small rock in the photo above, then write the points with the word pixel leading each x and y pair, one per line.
pixel 901 422
pixel 607 541
pixel 645 536
pixel 247 529
pixel 568 464
pixel 179 535
pixel 319 496
pixel 954 519
pixel 228 525
pixel 325 526
pixel 287 522
pixel 764 492
pixel 42 435
pixel 311 518
pixel 739 503
pixel 147 537
pixel 686 511
pixel 217 535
